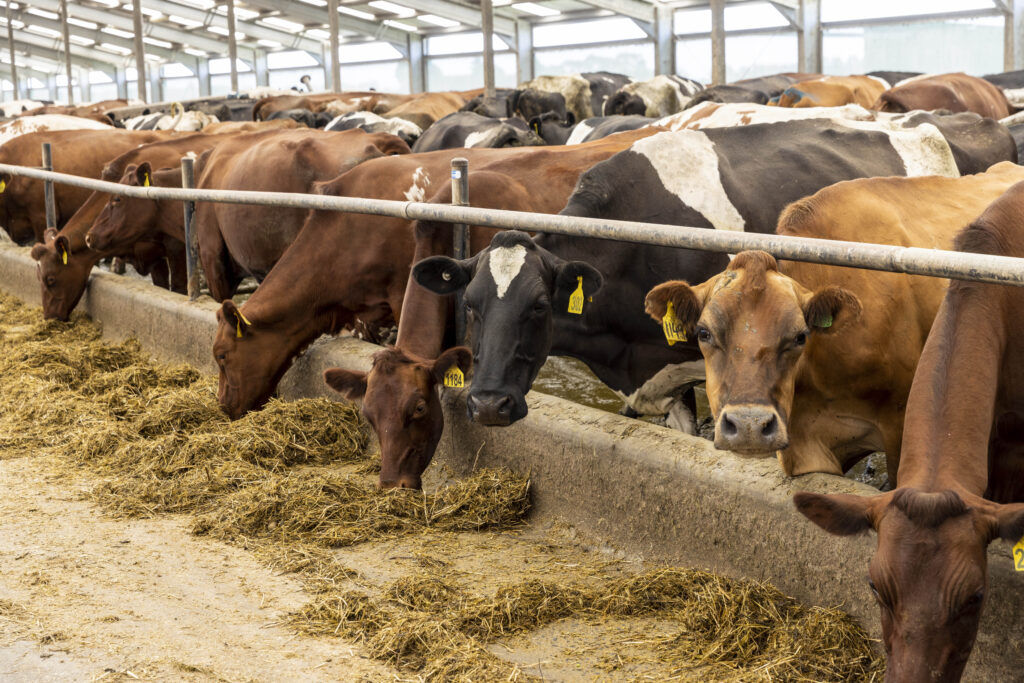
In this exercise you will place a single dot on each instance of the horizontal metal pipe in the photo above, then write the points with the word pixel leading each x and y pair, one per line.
pixel 911 260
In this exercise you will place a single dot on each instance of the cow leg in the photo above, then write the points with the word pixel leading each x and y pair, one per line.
pixel 160 274
pixel 217 265
pixel 177 265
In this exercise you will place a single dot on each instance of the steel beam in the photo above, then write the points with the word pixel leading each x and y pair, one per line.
pixel 121 79
pixel 259 66
pixel 303 13
pixel 232 45
pixel 788 12
pixel 140 50
pixel 48 49
pixel 98 36
pixel 67 48
pixel 809 40
pixel 10 46
pixel 503 25
pixel 487 29
pixel 417 64
pixel 332 25
pixel 664 41
pixel 1017 39
pixel 634 9
pixel 84 85
pixel 718 41
pixel 524 51
pixel 203 74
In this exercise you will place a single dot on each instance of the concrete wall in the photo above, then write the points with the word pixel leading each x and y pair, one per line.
pixel 646 490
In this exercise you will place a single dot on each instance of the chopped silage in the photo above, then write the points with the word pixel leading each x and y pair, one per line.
pixel 290 482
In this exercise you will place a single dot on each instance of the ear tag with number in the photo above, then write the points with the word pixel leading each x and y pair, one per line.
pixel 454 378
pixel 1018 555
pixel 576 298
pixel 670 324
pixel 145 180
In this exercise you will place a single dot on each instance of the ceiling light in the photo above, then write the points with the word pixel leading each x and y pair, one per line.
pixel 535 9
pixel 400 25
pixel 282 24
pixel 437 21
pixel 403 12
pixel 117 32
pixel 357 13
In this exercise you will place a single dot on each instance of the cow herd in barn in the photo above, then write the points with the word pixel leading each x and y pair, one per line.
pixel 818 366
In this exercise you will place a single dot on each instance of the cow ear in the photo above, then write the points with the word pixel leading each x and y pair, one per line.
pixel 570 118
pixel 458 355
pixel 1009 522
pixel 233 316
pixel 442 275
pixel 349 383
pixel 568 279
pixel 63 248
pixel 38 251
pixel 839 514
pixel 830 308
pixel 686 302
pixel 535 124
pixel 143 175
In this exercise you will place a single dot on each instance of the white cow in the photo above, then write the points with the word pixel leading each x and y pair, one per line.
pixel 178 119
pixel 18 106
pixel 31 124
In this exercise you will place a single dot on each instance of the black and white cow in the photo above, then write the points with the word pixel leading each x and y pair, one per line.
pixel 556 133
pixel 529 103
pixel 1012 84
pixel 307 118
pixel 584 93
pixel 374 123
pixel 660 96
pixel 466 129
pixel 517 290
pixel 756 90
pixel 501 108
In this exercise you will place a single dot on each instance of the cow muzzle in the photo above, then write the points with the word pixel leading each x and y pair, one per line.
pixel 750 429
pixel 491 408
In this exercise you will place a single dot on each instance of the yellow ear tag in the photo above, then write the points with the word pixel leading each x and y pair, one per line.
pixel 239 319
pixel 670 324
pixel 1018 555
pixel 145 180
pixel 64 255
pixel 3 185
pixel 454 378
pixel 576 298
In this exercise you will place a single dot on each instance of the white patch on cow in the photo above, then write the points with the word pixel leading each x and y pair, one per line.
pixel 1015 96
pixel 660 394
pixel 919 77
pixel 505 263
pixel 718 115
pixel 1013 119
pixel 579 133
pixel 923 149
pixel 687 166
pixel 418 191
pixel 885 83
pixel 480 138
pixel 31 124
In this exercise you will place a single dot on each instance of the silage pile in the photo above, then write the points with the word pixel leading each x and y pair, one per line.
pixel 290 483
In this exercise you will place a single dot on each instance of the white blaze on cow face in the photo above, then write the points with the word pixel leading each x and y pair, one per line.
pixel 505 264
pixel 687 166
pixel 418 191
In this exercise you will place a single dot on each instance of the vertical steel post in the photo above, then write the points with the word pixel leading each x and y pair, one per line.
pixel 51 207
pixel 67 47
pixel 232 46
pixel 717 42
pixel 332 25
pixel 10 46
pixel 188 181
pixel 140 51
pixel 487 27
pixel 460 235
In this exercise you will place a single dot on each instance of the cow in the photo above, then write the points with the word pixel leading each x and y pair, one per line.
pixel 303 117
pixel 584 93
pixel 368 101
pixel 660 96
pixel 77 152
pixel 20 126
pixel 1012 85
pixel 16 107
pixel 893 78
pixel 65 261
pixel 426 108
pixel 955 92
pixel 321 285
pixel 960 484
pixel 814 363
pixel 530 103
pixel 590 129
pixel 754 90
pixel 249 126
pixel 176 119
pixel 266 106
pixel 832 91
pixel 500 108
pixel 721 115
pixel 466 129
pixel 374 123
pixel 63 110
pixel 239 240
pixel 706 179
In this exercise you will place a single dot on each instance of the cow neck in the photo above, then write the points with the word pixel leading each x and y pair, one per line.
pixel 951 406
pixel 79 224
pixel 170 219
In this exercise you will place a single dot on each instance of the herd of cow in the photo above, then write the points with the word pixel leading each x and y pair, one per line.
pixel 818 365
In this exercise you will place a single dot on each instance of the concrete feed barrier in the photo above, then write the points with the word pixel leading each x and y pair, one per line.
pixel 647 490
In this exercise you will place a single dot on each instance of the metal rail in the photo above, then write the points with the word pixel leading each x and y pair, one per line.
pixel 911 260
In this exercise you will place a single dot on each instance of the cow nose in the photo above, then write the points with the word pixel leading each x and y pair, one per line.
pixel 403 482
pixel 750 429
pixel 491 408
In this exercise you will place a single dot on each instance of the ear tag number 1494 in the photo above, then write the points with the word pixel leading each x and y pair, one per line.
pixel 674 330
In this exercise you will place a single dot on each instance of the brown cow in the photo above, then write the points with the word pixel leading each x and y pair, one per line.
pixel 425 109
pixel 955 92
pixel 77 152
pixel 815 362
pixel 960 471
pixel 249 126
pixel 322 284
pixel 333 103
pixel 236 240
pixel 832 91
pixel 64 283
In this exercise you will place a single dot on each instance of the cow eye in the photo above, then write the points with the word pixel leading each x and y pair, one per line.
pixel 703 335
pixel 973 602
pixel 800 339
pixel 420 409
pixel 50 281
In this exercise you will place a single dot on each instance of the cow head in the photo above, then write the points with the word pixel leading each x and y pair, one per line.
pixel 124 220
pixel 626 104
pixel 753 325
pixel 62 274
pixel 251 359
pixel 929 571
pixel 529 102
pixel 513 289
pixel 401 402
pixel 552 128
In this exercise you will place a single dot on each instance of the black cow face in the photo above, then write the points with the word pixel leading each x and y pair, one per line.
pixel 512 291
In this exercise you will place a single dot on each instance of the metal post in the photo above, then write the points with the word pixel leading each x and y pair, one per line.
pixel 1017 38
pixel 140 51
pixel 51 207
pixel 67 47
pixel 10 46
pixel 460 235
pixel 332 25
pixel 717 42
pixel 203 74
pixel 664 40
pixel 524 51
pixel 232 46
pixel 188 182
pixel 487 27
pixel 810 20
